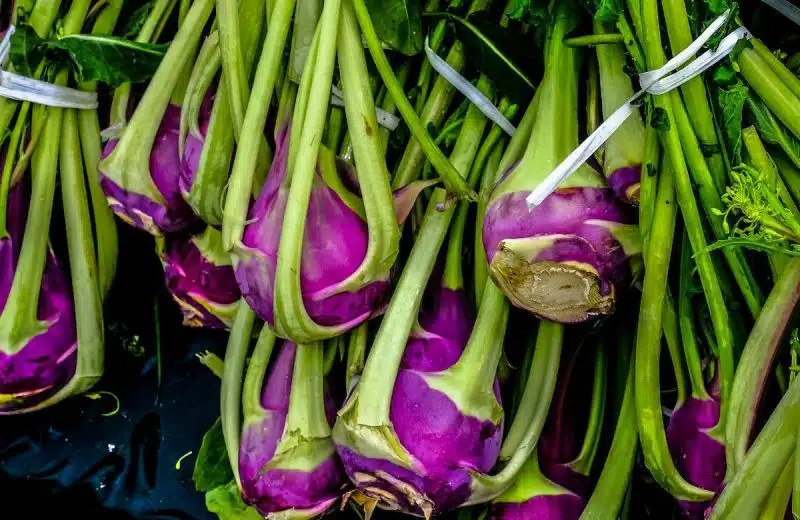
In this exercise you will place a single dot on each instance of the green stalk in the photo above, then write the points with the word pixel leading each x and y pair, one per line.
pixel 712 202
pixel 670 104
pixel 129 162
pixel 754 365
pixel 19 321
pixel 761 161
pixel 83 266
pixel 234 71
pixel 453 180
pixel 356 354
pixel 435 40
pixel 532 413
pixel 230 392
pixel 240 184
pixel 306 16
pixel 796 485
pixel 436 108
pixel 480 264
pixel 105 227
pixel 694 94
pixel 593 40
pixel 649 182
pixel 777 66
pixel 254 376
pixel 14 146
pixel 594 427
pixel 748 490
pixel 778 501
pixel 780 99
pixel 686 313
pixel 612 485
pixel 790 175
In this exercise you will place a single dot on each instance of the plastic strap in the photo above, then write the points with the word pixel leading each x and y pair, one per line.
pixel 787 9
pixel 656 82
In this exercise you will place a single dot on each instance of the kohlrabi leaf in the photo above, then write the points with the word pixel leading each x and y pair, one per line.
pixel 497 52
pixel 772 131
pixel 731 102
pixel 226 502
pixel 108 59
pixel 26 52
pixel 212 468
pixel 528 12
pixel 398 23
pixel 717 7
pixel 137 20
pixel 604 10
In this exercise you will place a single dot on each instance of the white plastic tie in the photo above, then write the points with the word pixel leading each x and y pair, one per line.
pixel 469 91
pixel 657 82
pixel 385 119
pixel 21 88
pixel 787 9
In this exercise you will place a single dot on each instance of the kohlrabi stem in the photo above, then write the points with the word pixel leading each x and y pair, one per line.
pixel 672 336
pixel 750 485
pixel 306 415
pixel 13 147
pixel 648 343
pixel 252 409
pixel 481 265
pixel 540 384
pixel 686 315
pixel 240 184
pixel 291 318
pixel 230 392
pixel 609 494
pixel 356 353
pixel 778 500
pixel 592 40
pixel 435 41
pixel 649 181
pixel 82 260
pixel 129 162
pixel 147 34
pixel 454 181
pixel 694 94
pixel 712 202
pixel 777 66
pixel 306 17
pixel 532 413
pixel 780 99
pixel 19 320
pixel 790 175
pixel 754 365
pixel 594 426
pixel 435 109
pixel 234 72
pixel 761 161
pixel 796 485
pixel 380 371
pixel 671 140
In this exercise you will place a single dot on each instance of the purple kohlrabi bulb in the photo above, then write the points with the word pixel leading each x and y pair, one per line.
pixel 699 457
pixel 47 362
pixel 305 481
pixel 136 208
pixel 444 443
pixel 334 247
pixel 567 259
pixel 199 275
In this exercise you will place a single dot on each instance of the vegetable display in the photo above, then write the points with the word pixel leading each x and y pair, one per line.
pixel 420 320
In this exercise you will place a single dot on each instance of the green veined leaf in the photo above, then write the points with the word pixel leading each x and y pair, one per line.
pixel 212 468
pixel 137 20
pixel 226 502
pixel 108 59
pixel 398 23
pixel 756 245
pixel 732 101
pixel 529 12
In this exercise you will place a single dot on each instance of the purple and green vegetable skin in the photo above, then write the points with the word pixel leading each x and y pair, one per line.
pixel 193 149
pixel 47 361
pixel 199 276
pixel 699 457
pixel 164 210
pixel 334 247
pixel 298 476
pixel 444 444
pixel 534 497
pixel 567 259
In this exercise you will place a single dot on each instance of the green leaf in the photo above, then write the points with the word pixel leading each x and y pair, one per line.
pixel 754 244
pixel 226 502
pixel 398 23
pixel 606 10
pixel 212 468
pixel 108 59
pixel 528 12
pixel 659 119
pixel 772 131
pixel 717 7
pixel 732 102
pixel 497 52
pixel 26 53
pixel 137 20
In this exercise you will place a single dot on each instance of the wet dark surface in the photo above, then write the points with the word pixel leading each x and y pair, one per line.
pixel 79 458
